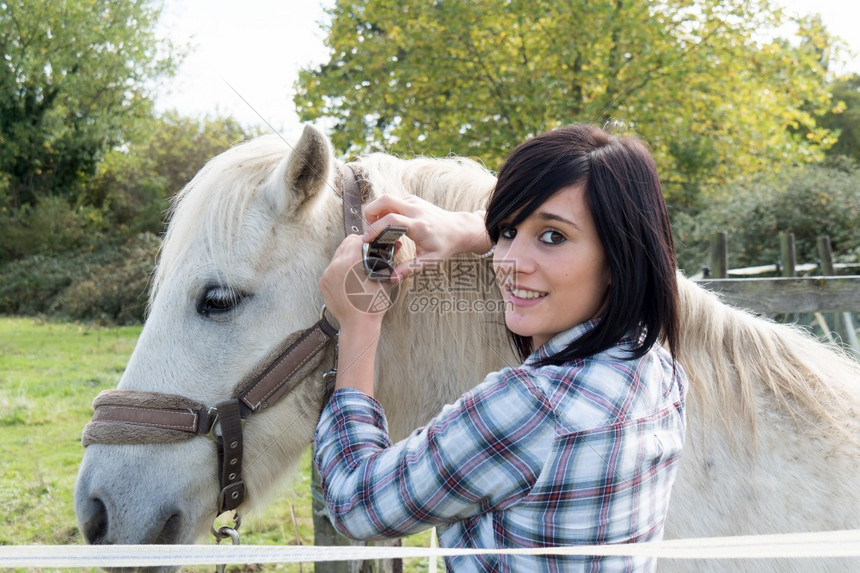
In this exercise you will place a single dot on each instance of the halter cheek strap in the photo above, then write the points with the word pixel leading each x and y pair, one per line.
pixel 276 381
pixel 353 197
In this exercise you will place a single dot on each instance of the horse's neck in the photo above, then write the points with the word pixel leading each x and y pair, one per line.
pixel 741 368
pixel 435 345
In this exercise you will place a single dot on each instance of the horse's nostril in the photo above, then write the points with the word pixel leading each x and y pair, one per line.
pixel 97 524
pixel 171 530
pixel 96 527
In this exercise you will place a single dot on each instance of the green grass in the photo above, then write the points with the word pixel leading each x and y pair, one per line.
pixel 49 374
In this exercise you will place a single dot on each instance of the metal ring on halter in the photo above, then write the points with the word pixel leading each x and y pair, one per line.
pixel 333 322
pixel 224 532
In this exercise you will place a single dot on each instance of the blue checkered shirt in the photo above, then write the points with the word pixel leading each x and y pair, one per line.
pixel 584 453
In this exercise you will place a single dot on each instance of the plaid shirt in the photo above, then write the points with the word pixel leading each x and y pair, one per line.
pixel 583 453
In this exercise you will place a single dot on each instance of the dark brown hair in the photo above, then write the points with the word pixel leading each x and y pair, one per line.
pixel 625 198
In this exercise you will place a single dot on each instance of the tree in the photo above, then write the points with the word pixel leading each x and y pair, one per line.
pixel 695 78
pixel 129 193
pixel 844 117
pixel 134 183
pixel 73 75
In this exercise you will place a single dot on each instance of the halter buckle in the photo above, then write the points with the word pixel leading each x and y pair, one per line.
pixel 333 324
pixel 378 255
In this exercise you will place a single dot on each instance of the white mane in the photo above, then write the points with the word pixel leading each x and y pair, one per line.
pixel 737 362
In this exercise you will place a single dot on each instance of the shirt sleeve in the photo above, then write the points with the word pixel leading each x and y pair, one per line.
pixel 483 453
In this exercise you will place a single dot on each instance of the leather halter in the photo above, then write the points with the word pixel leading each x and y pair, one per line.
pixel 170 418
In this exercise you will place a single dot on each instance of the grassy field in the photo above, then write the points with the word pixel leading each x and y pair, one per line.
pixel 49 375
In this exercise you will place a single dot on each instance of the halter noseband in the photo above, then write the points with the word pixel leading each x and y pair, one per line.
pixel 136 417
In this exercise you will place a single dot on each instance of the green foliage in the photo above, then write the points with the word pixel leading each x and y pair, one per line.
pixel 50 226
pixel 30 285
pixel 695 79
pixel 108 285
pixel 844 117
pixel 113 292
pixel 74 74
pixel 129 194
pixel 92 259
pixel 134 183
pixel 809 202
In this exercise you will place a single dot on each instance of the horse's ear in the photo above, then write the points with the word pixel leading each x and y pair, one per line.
pixel 307 168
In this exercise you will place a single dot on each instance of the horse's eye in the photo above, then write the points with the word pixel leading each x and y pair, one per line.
pixel 218 300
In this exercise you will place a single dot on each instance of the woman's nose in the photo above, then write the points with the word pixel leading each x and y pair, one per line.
pixel 513 257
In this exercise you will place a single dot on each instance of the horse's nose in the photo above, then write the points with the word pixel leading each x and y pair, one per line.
pixel 96 526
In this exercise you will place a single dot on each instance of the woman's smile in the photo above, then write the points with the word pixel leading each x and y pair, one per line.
pixel 519 294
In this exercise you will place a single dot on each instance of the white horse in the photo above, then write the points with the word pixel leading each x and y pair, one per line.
pixel 772 430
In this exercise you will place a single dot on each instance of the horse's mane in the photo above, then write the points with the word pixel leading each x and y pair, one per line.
pixel 453 183
pixel 736 360
pixel 728 350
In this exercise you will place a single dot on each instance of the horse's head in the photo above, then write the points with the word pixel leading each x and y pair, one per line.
pixel 236 281
pixel 247 242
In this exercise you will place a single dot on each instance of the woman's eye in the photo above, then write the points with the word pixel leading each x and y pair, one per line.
pixel 219 300
pixel 552 237
pixel 508 233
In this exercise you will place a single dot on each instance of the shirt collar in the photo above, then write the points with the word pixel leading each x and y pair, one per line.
pixel 561 340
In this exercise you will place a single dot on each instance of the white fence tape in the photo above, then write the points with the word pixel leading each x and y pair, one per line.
pixel 793 545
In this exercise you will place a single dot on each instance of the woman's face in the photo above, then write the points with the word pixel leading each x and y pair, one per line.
pixel 552 269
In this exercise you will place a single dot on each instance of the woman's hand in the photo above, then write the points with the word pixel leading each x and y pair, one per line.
pixel 438 234
pixel 348 292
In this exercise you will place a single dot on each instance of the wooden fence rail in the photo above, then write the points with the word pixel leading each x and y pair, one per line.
pixel 790 294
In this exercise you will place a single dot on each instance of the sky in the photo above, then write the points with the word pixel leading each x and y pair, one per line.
pixel 244 57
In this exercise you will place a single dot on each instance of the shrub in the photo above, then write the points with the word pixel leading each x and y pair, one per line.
pixel 52 226
pixel 108 285
pixel 809 202
pixel 29 286
pixel 114 292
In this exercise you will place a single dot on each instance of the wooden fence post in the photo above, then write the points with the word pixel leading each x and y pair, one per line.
pixel 788 254
pixel 719 255
pixel 842 321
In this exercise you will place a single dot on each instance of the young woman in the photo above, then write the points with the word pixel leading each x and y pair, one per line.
pixel 578 445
